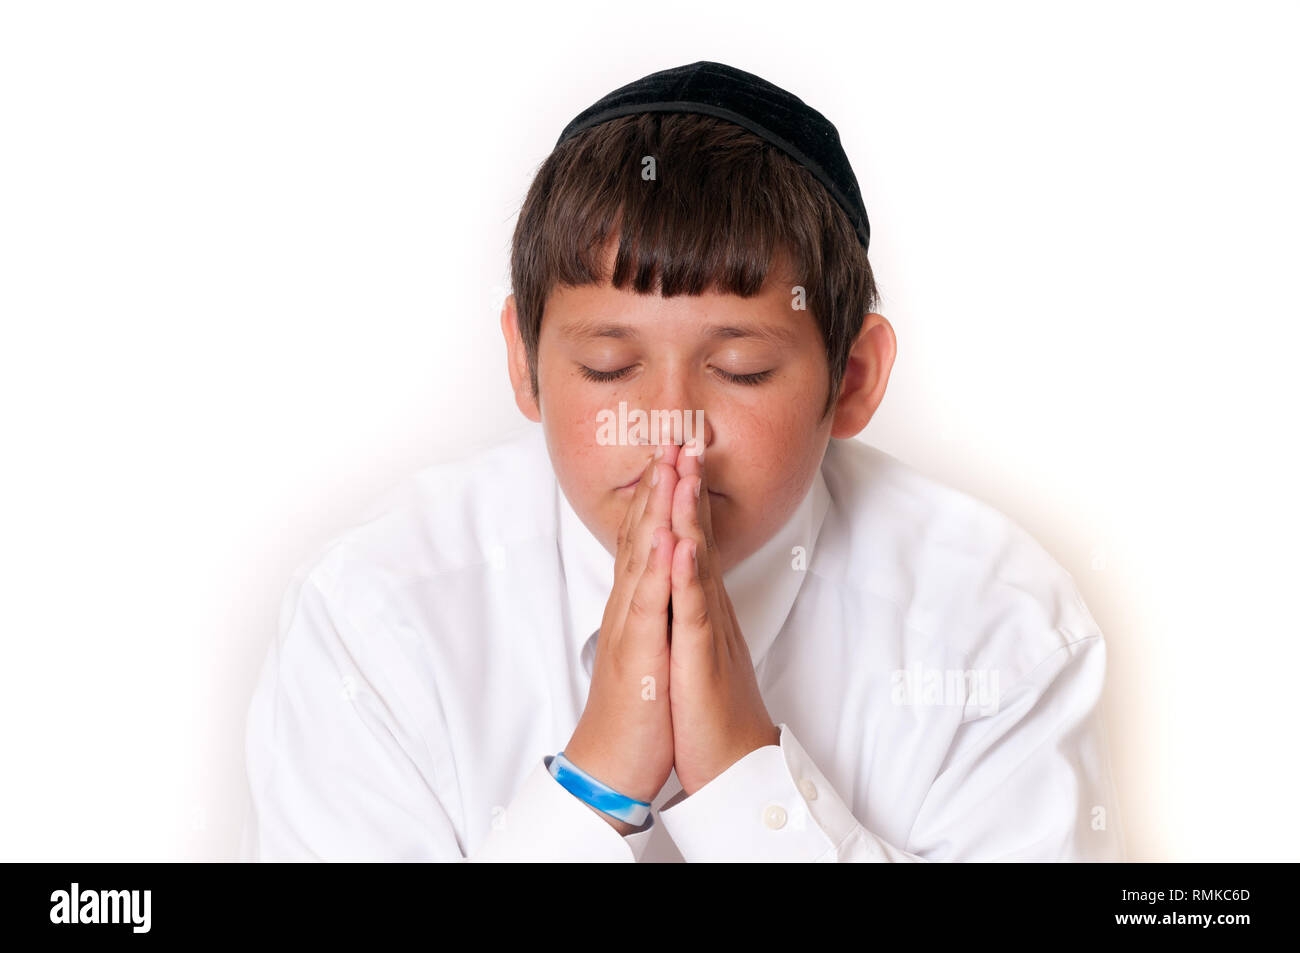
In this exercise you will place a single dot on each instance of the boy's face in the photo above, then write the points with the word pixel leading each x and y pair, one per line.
pixel 764 437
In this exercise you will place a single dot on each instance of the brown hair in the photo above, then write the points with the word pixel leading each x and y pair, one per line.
pixel 722 205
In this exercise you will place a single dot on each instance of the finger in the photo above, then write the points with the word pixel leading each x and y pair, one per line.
pixel 690 458
pixel 645 626
pixel 644 487
pixel 665 438
pixel 632 559
pixel 690 463
pixel 692 631
pixel 690 521
pixel 658 510
pixel 637 503
pixel 627 562
pixel 635 506
pixel 657 513
pixel 687 510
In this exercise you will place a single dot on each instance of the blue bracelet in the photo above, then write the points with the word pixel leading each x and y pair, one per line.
pixel 600 796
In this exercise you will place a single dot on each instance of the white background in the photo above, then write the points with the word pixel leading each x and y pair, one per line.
pixel 252 257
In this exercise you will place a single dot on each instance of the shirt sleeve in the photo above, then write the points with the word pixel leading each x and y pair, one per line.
pixel 1027 782
pixel 338 771
pixel 547 822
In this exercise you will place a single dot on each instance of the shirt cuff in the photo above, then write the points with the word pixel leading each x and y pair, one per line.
pixel 772 805
pixel 546 823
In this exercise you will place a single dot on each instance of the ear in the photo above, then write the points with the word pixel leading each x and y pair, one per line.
pixel 865 376
pixel 517 362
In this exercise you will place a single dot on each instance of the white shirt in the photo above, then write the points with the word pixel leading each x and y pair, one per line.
pixel 934 673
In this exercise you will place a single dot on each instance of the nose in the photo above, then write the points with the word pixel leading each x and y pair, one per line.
pixel 674 414
pixel 664 411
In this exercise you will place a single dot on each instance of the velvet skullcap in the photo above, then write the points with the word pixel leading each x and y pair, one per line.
pixel 749 101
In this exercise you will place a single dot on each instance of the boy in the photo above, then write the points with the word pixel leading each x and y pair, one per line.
pixel 765 642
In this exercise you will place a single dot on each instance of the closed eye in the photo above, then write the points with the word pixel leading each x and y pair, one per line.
pixel 603 377
pixel 749 379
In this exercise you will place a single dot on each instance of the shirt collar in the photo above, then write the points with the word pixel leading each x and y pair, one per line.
pixel 762 588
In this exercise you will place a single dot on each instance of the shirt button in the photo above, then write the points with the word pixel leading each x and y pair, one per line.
pixel 774 816
pixel 808 788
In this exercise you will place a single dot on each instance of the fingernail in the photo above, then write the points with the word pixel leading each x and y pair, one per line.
pixel 654 477
pixel 697 489
pixel 659 451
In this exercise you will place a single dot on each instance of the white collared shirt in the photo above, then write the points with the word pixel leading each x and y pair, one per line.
pixel 934 673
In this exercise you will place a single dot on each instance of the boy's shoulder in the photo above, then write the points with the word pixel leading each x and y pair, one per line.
pixel 457 514
pixel 959 570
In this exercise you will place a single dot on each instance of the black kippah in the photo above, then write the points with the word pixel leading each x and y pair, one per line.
pixel 749 101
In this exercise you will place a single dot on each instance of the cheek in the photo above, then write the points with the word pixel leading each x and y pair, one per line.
pixel 771 440
pixel 772 461
pixel 583 466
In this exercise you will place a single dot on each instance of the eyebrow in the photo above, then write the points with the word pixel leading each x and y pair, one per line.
pixel 776 334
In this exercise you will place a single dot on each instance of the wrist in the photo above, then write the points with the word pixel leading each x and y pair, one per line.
pixel 623 827
pixel 625 812
pixel 608 773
